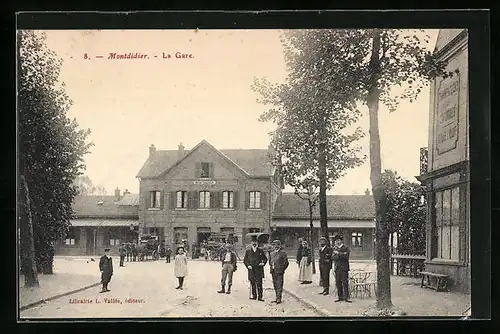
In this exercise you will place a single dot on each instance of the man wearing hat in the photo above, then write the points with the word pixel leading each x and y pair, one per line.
pixel 106 268
pixel 341 259
pixel 228 268
pixel 325 265
pixel 255 260
pixel 278 263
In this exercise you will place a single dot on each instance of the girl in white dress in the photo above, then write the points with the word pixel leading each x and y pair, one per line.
pixel 180 266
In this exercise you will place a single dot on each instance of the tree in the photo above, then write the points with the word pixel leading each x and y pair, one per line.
pixel 307 190
pixel 313 113
pixel 51 149
pixel 406 212
pixel 388 59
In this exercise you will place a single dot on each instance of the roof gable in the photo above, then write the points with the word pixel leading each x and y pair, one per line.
pixel 445 36
pixel 210 147
pixel 291 206
pixel 252 162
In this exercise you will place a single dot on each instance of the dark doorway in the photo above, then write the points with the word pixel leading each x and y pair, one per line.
pixel 202 236
pixel 91 235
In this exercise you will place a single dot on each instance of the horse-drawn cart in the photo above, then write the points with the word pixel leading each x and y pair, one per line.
pixel 148 247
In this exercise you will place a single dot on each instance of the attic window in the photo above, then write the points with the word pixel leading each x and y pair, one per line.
pixel 100 203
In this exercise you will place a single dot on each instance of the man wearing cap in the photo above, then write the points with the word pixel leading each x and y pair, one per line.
pixel 278 263
pixel 106 268
pixel 325 265
pixel 228 268
pixel 341 259
pixel 255 260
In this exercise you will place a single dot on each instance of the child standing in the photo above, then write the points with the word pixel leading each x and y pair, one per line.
pixel 180 266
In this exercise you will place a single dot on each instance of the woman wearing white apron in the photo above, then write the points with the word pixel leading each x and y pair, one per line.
pixel 305 266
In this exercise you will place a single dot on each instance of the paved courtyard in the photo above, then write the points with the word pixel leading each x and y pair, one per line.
pixel 147 289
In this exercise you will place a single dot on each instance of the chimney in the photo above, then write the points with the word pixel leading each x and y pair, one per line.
pixel 152 150
pixel 367 192
pixel 181 151
pixel 117 194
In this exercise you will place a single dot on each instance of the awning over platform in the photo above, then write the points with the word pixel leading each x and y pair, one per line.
pixel 104 222
pixel 331 223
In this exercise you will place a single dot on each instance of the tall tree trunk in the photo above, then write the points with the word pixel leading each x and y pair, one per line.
pixel 379 194
pixel 30 270
pixel 322 191
pixel 311 235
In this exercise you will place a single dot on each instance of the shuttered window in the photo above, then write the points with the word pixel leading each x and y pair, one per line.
pixel 254 197
pixel 447 224
pixel 227 200
pixel 155 199
pixel 181 200
pixel 204 200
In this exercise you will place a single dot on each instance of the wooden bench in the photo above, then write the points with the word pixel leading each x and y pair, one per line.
pixel 441 281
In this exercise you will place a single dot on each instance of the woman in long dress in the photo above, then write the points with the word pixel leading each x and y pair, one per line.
pixel 305 267
pixel 180 266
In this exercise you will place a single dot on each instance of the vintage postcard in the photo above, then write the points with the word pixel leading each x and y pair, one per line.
pixel 226 173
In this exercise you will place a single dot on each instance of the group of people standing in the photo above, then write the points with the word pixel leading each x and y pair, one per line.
pixel 336 257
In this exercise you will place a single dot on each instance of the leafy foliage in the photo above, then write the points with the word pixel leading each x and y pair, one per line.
pixel 313 111
pixel 51 146
pixel 406 212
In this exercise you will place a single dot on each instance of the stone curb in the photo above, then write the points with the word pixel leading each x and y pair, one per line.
pixel 323 312
pixel 31 305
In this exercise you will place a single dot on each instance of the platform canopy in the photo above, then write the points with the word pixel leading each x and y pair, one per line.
pixel 104 222
pixel 331 224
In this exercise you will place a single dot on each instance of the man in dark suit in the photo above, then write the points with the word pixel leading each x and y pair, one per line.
pixel 106 268
pixel 255 260
pixel 278 263
pixel 228 268
pixel 341 259
pixel 325 265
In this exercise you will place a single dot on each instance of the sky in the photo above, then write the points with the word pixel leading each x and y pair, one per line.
pixel 129 104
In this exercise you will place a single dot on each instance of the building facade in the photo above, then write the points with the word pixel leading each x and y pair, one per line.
pixel 188 194
pixel 352 216
pixel 447 174
pixel 100 222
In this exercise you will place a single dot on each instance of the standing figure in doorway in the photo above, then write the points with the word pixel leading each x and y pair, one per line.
pixel 325 265
pixel 106 268
pixel 123 252
pixel 278 263
pixel 255 260
pixel 180 266
pixel 305 267
pixel 341 259
pixel 168 253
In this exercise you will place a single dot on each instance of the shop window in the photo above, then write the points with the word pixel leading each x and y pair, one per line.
pixel 357 239
pixel 113 237
pixel 71 237
pixel 446 227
